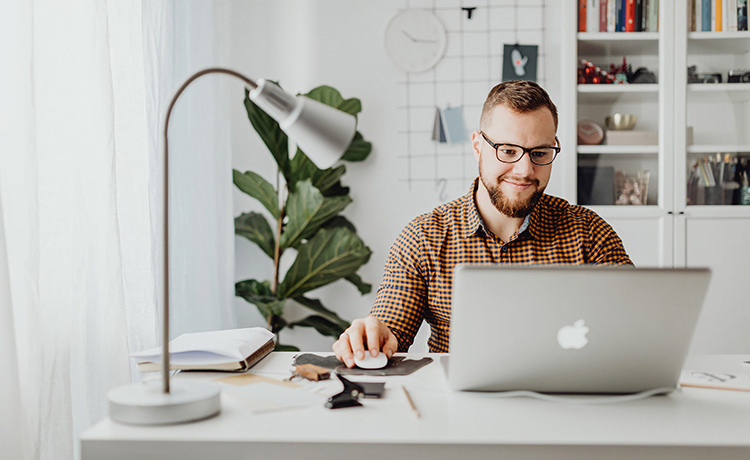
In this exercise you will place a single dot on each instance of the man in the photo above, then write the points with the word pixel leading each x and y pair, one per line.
pixel 505 218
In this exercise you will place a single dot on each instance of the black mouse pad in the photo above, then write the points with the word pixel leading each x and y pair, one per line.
pixel 397 365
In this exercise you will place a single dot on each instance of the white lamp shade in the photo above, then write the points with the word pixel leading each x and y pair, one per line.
pixel 321 131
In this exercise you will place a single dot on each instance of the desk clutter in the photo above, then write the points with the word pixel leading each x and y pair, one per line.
pixel 315 380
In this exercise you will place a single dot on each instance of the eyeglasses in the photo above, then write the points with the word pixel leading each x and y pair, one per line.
pixel 511 153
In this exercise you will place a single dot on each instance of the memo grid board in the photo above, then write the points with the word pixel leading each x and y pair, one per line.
pixel 471 66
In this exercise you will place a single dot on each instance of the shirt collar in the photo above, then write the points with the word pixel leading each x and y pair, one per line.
pixel 475 223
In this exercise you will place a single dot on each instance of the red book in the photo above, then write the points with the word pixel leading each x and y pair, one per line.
pixel 602 15
pixel 581 15
pixel 630 16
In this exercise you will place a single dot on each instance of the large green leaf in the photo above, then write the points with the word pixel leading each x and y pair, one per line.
pixel 322 325
pixel 327 95
pixel 352 106
pixel 328 256
pixel 316 306
pixel 307 210
pixel 259 294
pixel 358 150
pixel 323 179
pixel 362 287
pixel 270 132
pixel 255 228
pixel 258 188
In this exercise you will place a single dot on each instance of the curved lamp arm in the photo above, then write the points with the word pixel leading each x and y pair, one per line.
pixel 322 132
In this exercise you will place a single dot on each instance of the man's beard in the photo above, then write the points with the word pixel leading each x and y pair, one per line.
pixel 516 209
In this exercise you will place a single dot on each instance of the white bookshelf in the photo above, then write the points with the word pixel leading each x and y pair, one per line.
pixel 668 232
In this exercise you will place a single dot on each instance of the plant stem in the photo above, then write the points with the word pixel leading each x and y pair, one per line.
pixel 277 245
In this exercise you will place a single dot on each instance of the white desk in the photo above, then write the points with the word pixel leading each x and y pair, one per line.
pixel 690 424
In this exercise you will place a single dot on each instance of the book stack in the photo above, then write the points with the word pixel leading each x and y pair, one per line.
pixel 618 15
pixel 717 15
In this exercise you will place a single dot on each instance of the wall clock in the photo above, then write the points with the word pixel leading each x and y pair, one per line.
pixel 415 40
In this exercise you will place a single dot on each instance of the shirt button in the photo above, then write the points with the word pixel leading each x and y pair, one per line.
pixel 504 249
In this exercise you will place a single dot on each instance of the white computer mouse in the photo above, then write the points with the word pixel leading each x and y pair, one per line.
pixel 368 362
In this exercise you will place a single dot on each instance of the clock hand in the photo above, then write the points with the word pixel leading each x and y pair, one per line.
pixel 407 34
pixel 417 40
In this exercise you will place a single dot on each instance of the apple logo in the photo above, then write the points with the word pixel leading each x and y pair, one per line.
pixel 573 337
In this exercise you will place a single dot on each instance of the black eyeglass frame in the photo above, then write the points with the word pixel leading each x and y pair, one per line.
pixel 495 146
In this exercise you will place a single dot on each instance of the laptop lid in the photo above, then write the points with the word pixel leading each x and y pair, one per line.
pixel 572 329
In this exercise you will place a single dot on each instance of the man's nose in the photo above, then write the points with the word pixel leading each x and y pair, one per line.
pixel 524 167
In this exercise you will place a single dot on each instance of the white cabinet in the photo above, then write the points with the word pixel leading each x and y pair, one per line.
pixel 697 123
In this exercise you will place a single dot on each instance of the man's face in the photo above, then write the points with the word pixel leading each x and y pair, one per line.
pixel 514 188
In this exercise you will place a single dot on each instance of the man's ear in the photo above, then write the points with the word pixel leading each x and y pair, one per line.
pixel 476 144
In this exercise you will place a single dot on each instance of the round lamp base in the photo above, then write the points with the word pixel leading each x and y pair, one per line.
pixel 145 403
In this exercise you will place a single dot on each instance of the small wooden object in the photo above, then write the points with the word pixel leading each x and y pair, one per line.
pixel 311 372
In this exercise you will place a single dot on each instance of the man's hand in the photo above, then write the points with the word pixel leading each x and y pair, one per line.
pixel 368 331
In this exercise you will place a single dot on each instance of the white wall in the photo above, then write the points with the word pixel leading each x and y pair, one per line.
pixel 306 43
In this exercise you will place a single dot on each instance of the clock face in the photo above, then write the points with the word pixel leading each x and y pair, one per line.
pixel 415 40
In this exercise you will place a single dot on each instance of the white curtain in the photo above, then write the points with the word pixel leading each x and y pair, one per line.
pixel 82 88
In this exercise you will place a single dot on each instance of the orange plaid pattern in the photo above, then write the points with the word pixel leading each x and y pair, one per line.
pixel 418 278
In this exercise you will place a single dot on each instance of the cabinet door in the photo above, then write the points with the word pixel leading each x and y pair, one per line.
pixel 647 239
pixel 722 245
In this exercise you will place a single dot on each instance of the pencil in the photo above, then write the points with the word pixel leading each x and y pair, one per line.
pixel 411 402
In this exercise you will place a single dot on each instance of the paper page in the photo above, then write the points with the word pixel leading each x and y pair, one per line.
pixel 270 397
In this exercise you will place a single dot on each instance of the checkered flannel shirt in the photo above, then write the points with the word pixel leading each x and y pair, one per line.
pixel 417 282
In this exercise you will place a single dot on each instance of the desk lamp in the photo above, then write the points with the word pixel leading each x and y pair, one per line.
pixel 323 133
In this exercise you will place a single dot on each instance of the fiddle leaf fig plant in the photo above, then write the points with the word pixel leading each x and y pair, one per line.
pixel 305 208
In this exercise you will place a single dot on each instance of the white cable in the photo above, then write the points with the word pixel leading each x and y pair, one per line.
pixel 578 399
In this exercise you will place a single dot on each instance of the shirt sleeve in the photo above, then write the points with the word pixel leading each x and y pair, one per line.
pixel 605 247
pixel 402 295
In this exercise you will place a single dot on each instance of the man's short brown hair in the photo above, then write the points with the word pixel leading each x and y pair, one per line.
pixel 518 95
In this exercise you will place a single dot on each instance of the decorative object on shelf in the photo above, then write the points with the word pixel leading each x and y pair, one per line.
pixel 632 137
pixel 738 76
pixel 621 121
pixel 589 133
pixel 631 190
pixel 415 40
pixel 588 73
pixel 694 77
pixel 307 220
pixel 325 134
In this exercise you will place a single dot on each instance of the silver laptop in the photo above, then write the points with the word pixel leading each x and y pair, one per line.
pixel 572 329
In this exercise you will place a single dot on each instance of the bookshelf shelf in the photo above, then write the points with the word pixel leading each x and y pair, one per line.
pixel 617 43
pixel 719 42
pixel 606 149
pixel 713 148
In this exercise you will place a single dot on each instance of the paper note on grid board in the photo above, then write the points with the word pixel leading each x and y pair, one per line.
pixel 449 125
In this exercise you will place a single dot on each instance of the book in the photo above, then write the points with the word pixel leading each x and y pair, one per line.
pixel 602 15
pixel 741 14
pixel 705 16
pixel 611 15
pixel 582 15
pixel 652 23
pixel 629 15
pixel 732 16
pixel 719 14
pixel 592 16
pixel 228 350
